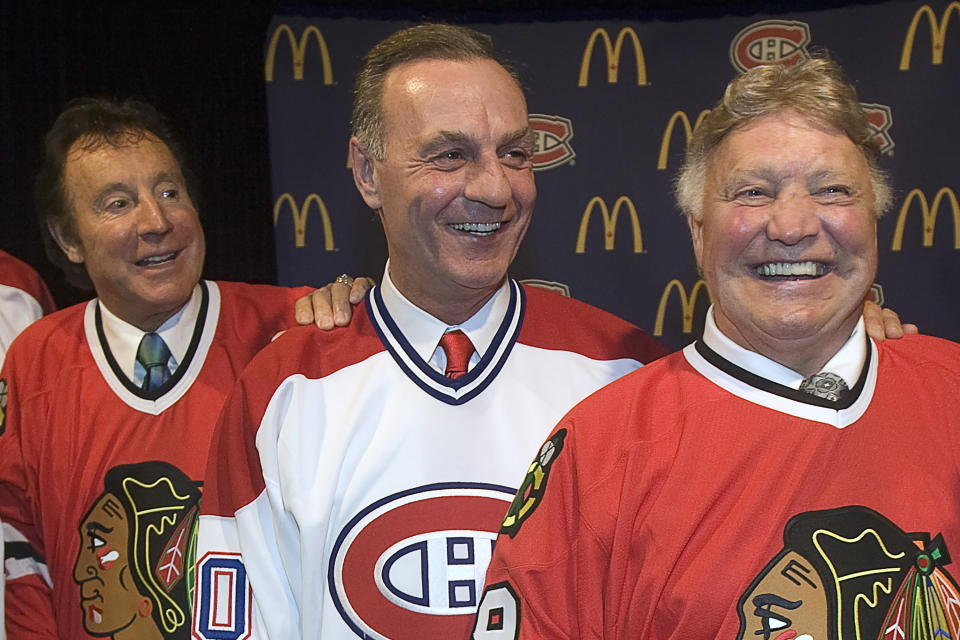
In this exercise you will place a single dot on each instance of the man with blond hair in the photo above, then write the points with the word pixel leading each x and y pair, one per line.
pixel 660 506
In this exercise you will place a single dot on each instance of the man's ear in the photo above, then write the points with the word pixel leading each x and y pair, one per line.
pixel 70 246
pixel 696 235
pixel 364 173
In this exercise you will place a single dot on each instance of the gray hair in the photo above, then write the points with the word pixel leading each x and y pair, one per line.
pixel 814 88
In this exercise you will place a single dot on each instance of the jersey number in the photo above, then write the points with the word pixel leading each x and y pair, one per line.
pixel 498 617
pixel 224 608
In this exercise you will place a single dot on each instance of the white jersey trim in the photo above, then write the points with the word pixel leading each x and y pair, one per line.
pixel 208 327
pixel 838 418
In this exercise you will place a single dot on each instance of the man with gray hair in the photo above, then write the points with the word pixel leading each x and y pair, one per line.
pixel 658 508
pixel 358 476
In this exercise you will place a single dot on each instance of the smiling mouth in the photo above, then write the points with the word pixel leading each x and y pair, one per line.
pixel 791 270
pixel 477 228
pixel 153 261
pixel 96 614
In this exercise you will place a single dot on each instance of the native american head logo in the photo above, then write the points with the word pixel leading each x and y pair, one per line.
pixel 851 574
pixel 135 563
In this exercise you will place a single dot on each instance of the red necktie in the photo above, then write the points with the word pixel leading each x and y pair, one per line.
pixel 458 349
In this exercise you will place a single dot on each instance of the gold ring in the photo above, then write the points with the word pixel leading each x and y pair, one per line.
pixel 345 279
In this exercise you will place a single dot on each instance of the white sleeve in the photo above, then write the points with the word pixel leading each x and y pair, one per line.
pixel 17 310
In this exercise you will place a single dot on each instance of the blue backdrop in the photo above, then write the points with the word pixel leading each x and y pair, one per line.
pixel 613 103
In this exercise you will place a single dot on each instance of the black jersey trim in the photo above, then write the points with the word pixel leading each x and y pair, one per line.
pixel 182 367
pixel 789 393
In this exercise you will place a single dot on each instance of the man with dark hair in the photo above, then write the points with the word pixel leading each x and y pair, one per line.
pixel 358 476
pixel 656 501
pixel 139 373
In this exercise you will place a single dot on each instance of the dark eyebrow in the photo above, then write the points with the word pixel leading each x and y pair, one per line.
pixel 441 138
pixel 168 176
pixel 96 526
pixel 771 598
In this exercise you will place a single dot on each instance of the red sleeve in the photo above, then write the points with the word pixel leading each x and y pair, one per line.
pixel 28 597
pixel 545 580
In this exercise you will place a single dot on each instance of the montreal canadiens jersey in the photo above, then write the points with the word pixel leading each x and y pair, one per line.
pixel 694 500
pixel 24 297
pixel 358 491
pixel 99 480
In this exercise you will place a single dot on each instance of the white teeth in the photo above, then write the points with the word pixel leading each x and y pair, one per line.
pixel 791 269
pixel 97 616
pixel 479 228
pixel 155 259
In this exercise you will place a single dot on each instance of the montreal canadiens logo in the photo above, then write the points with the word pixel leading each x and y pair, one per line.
pixel 769 42
pixel 880 118
pixel 553 141
pixel 412 565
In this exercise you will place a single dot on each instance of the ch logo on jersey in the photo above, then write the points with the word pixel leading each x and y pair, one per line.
pixel 534 485
pixel 770 42
pixel 553 134
pixel 412 565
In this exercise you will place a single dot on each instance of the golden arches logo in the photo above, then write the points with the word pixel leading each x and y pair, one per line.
pixel 300 218
pixel 687 304
pixel 613 50
pixel 681 117
pixel 928 215
pixel 610 223
pixel 938 33
pixel 298 49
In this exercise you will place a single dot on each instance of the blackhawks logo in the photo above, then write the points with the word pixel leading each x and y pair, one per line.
pixel 534 484
pixel 851 574
pixel 137 548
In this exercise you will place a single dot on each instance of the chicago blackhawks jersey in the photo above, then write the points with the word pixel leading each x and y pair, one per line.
pixel 358 491
pixel 695 500
pixel 24 297
pixel 100 480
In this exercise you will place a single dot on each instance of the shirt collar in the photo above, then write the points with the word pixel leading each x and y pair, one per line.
pixel 846 363
pixel 423 331
pixel 123 338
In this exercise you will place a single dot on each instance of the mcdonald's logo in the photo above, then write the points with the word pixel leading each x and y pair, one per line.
pixel 300 218
pixel 880 119
pixel 770 41
pixel 938 33
pixel 928 215
pixel 610 223
pixel 613 51
pixel 553 141
pixel 298 49
pixel 681 117
pixel 687 304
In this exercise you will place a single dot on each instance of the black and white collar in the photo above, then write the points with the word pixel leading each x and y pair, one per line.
pixel 204 326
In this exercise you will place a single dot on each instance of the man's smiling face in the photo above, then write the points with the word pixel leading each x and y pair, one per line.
pixel 787 240
pixel 134 228
pixel 455 188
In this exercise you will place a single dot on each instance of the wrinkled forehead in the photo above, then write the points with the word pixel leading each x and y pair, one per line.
pixel 440 94
pixel 786 140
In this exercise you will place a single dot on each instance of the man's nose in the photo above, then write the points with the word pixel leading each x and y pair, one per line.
pixel 793 218
pixel 488 183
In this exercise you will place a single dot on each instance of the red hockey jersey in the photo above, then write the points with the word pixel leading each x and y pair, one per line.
pixel 99 480
pixel 692 500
